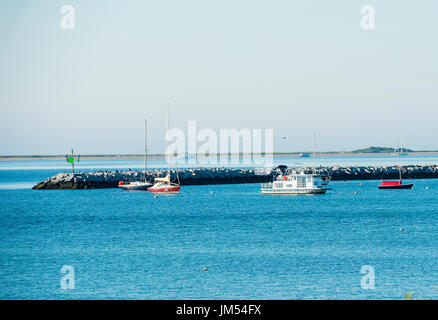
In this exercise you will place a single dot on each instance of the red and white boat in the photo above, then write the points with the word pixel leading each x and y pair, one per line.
pixel 396 184
pixel 164 185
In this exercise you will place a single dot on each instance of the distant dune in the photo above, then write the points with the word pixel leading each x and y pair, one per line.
pixel 381 150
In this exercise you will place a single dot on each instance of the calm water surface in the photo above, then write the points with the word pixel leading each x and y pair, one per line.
pixel 129 245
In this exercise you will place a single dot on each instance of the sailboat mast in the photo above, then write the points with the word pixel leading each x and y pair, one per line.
pixel 314 153
pixel 145 148
pixel 167 117
pixel 167 129
pixel 399 164
pixel 168 142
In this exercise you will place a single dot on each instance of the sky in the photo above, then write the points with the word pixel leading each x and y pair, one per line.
pixel 298 67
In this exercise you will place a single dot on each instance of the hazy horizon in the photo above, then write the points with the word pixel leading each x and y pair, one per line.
pixel 298 67
pixel 310 152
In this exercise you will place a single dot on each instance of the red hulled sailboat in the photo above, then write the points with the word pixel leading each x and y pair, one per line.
pixel 396 184
pixel 165 185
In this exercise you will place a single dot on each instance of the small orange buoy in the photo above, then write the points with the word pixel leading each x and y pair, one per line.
pixel 120 183
pixel 205 269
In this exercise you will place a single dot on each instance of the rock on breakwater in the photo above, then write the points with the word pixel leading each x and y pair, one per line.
pixel 204 176
pixel 378 173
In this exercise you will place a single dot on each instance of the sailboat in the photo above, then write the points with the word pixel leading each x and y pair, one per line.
pixel 396 184
pixel 139 185
pixel 165 185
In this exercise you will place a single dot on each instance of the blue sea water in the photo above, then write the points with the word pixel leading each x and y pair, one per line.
pixel 130 245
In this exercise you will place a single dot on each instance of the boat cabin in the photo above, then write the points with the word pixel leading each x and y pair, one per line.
pixel 391 183
pixel 297 181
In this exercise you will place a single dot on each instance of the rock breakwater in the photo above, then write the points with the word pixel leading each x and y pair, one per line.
pixel 198 176
pixel 204 176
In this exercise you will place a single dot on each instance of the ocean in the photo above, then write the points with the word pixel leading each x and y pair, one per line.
pixel 217 241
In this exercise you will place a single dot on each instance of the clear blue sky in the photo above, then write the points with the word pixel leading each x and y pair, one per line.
pixel 296 66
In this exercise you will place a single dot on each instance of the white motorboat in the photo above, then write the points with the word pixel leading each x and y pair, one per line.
pixel 296 183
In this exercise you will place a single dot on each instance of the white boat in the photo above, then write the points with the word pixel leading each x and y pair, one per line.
pixel 135 185
pixel 296 183
pixel 139 185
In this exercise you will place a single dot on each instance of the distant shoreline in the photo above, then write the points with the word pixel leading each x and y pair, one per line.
pixel 160 156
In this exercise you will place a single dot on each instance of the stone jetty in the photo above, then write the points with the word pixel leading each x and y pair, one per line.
pixel 198 176
pixel 204 176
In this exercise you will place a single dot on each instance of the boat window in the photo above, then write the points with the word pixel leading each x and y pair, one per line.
pixel 289 185
pixel 301 183
pixel 278 185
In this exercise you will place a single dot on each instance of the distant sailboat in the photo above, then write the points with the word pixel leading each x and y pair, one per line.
pixel 139 185
pixel 396 184
pixel 165 185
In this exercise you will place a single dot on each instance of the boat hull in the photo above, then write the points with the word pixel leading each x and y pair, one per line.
pixel 128 187
pixel 165 190
pixel 400 186
pixel 296 191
